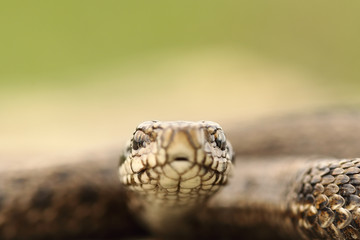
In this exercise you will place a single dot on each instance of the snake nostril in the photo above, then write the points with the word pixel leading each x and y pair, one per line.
pixel 181 159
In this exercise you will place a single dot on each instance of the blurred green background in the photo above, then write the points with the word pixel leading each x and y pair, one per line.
pixel 78 75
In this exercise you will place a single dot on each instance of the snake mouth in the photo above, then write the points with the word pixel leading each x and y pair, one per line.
pixel 181 159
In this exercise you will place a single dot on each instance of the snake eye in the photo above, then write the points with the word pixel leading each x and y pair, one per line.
pixel 220 140
pixel 139 140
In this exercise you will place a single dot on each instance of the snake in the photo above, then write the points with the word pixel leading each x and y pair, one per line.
pixel 292 177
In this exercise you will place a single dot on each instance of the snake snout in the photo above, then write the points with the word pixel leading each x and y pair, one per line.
pixel 181 159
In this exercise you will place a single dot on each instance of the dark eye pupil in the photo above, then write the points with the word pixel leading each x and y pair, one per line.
pixel 220 141
pixel 137 144
pixel 138 140
pixel 220 144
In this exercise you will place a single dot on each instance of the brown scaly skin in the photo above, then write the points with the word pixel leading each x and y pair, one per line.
pixel 269 154
pixel 304 199
pixel 81 200
pixel 325 202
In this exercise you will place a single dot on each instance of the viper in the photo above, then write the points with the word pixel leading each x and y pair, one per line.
pixel 291 177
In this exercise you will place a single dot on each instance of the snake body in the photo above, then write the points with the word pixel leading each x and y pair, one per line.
pixel 277 184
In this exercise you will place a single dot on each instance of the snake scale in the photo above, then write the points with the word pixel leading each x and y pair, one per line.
pixel 293 177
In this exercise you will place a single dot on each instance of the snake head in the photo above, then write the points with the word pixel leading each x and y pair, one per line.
pixel 176 162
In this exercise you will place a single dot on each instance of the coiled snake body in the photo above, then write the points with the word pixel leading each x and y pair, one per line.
pixel 294 177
